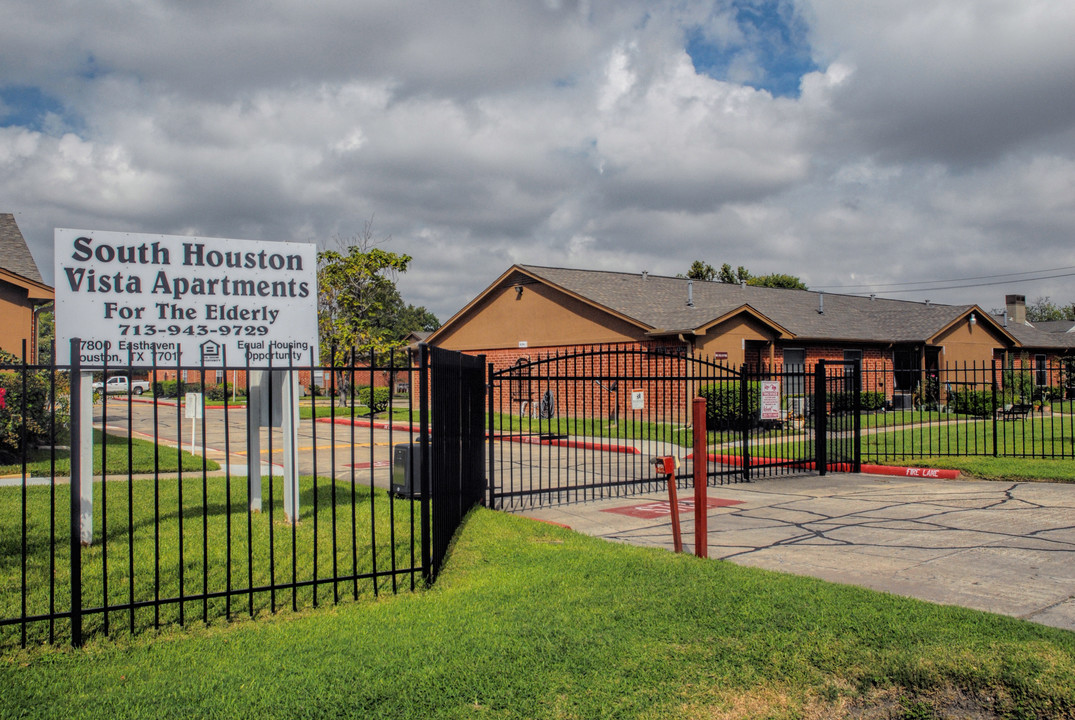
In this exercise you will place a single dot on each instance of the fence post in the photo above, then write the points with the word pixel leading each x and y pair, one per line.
pixel 76 492
pixel 857 415
pixel 821 461
pixel 701 466
pixel 744 421
pixel 489 442
pixel 993 366
pixel 424 466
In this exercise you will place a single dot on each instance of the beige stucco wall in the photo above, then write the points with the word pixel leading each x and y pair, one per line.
pixel 731 337
pixel 970 344
pixel 541 317
pixel 16 319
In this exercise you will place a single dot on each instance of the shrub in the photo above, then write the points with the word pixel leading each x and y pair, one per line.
pixel 40 416
pixel 978 403
pixel 722 409
pixel 868 401
pixel 217 391
pixel 1018 386
pixel 376 399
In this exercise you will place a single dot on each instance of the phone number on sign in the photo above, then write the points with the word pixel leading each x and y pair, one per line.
pixel 222 330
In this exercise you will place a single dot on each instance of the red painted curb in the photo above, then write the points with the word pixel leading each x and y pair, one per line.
pixel 377 424
pixel 892 470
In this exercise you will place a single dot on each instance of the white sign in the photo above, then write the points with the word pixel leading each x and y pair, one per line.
pixel 770 400
pixel 135 298
pixel 638 399
pixel 194 407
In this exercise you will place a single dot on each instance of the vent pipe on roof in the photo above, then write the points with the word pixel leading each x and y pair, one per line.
pixel 645 274
pixel 742 283
pixel 1004 315
pixel 929 303
pixel 821 303
pixel 690 293
pixel 873 296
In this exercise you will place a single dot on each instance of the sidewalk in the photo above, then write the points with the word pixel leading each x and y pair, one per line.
pixel 1002 547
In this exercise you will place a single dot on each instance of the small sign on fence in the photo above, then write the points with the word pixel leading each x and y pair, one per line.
pixel 770 399
pixel 638 399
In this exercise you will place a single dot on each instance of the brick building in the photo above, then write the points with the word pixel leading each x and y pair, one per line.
pixel 22 291
pixel 530 312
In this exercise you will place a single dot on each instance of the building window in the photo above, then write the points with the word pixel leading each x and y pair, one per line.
pixel 219 376
pixel 1041 371
pixel 794 371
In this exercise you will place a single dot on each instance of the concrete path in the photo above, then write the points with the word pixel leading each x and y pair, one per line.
pixel 1004 547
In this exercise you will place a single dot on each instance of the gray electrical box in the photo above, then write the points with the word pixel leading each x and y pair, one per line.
pixel 407 470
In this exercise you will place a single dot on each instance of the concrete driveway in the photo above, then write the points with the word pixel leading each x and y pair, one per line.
pixel 1003 547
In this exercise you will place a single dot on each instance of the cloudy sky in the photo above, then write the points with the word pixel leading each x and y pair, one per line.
pixel 859 145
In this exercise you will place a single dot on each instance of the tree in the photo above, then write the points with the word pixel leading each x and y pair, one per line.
pixel 359 306
pixel 704 271
pixel 1043 309
pixel 778 280
pixel 701 271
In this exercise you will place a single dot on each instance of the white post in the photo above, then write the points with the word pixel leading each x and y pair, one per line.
pixel 290 429
pixel 85 441
pixel 253 439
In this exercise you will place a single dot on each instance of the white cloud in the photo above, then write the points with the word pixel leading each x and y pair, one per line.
pixel 936 139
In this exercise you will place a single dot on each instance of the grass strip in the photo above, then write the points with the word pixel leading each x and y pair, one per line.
pixel 174 554
pixel 141 459
pixel 533 621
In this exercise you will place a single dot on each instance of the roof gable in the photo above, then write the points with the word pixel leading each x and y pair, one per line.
pixel 15 256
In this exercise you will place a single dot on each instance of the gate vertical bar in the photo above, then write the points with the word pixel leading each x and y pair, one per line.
pixel 491 494
pixel 820 419
pixel 857 410
pixel 424 464
pixel 76 493
pixel 744 420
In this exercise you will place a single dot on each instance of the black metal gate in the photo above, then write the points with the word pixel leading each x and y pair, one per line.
pixel 587 425
pixel 838 428
pixel 456 444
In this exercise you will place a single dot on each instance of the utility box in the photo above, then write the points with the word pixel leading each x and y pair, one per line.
pixel 407 470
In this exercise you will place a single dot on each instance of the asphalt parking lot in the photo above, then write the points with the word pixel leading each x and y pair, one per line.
pixel 1003 547
pixel 357 452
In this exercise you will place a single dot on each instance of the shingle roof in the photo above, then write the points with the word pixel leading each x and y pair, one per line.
pixel 14 254
pixel 660 303
pixel 1033 336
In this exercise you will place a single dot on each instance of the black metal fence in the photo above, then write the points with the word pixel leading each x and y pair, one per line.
pixel 178 522
pixel 587 425
pixel 1022 410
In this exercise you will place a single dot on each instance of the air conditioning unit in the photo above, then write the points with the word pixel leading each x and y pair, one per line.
pixel 797 406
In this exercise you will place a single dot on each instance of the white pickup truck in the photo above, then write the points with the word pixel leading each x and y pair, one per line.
pixel 120 384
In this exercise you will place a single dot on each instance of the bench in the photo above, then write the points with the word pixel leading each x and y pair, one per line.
pixel 1018 410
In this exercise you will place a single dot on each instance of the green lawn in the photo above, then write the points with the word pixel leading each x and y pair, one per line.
pixel 156 512
pixel 534 621
pixel 959 435
pixel 140 459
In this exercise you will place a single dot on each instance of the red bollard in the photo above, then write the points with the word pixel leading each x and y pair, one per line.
pixel 701 462
pixel 667 466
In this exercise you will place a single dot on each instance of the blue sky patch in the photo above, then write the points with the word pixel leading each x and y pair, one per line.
pixel 773 53
pixel 28 107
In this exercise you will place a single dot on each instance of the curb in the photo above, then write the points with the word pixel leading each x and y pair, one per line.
pixel 890 470
pixel 376 424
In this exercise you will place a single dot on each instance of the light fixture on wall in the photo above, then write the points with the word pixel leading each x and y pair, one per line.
pixel 518 291
pixel 973 320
